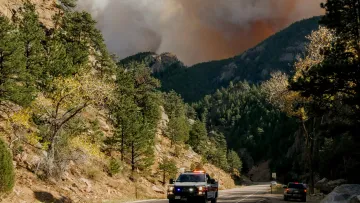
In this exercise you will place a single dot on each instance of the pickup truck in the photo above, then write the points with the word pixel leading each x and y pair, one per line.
pixel 193 186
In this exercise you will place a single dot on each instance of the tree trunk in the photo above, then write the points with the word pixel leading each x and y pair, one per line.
pixel 164 178
pixel 122 143
pixel 312 155
pixel 312 181
pixel 51 153
pixel 132 157
pixel 309 150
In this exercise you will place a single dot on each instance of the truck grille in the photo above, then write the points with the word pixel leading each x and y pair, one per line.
pixel 185 190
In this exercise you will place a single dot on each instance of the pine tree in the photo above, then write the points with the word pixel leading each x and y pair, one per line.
pixel 178 130
pixel 198 137
pixel 76 29
pixel 32 35
pixel 7 175
pixel 174 105
pixel 178 127
pixel 234 161
pixel 139 143
pixel 217 155
pixel 168 168
pixel 136 113
pixel 13 66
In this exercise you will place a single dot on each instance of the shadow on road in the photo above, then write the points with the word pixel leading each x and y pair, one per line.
pixel 49 198
pixel 277 198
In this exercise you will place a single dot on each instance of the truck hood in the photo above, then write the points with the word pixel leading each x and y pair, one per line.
pixel 190 184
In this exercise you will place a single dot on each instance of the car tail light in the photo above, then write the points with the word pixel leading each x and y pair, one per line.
pixel 305 191
pixel 287 190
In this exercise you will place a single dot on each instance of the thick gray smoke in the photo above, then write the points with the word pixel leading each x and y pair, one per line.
pixel 194 30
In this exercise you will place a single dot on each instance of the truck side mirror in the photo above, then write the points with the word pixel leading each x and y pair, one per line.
pixel 212 181
pixel 171 181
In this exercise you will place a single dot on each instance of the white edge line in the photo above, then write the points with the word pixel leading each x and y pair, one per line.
pixel 250 196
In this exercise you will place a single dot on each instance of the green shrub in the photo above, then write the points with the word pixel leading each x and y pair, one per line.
pixel 93 173
pixel 7 175
pixel 114 167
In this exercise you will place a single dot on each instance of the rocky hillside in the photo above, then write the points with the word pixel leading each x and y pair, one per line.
pixel 278 52
pixel 46 9
pixel 157 62
pixel 87 180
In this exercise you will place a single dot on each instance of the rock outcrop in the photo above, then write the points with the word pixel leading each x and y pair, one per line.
pixel 348 193
pixel 46 9
pixel 325 186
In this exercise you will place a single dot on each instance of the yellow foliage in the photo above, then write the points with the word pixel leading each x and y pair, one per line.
pixel 319 40
pixel 22 118
pixel 71 93
pixel 82 143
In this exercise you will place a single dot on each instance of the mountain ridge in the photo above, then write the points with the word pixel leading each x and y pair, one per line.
pixel 276 53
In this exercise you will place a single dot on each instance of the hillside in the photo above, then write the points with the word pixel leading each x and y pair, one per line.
pixel 87 179
pixel 278 52
pixel 65 117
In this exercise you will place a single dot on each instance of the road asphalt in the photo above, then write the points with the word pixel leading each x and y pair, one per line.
pixel 248 194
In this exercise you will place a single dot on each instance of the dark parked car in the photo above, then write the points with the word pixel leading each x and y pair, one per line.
pixel 295 191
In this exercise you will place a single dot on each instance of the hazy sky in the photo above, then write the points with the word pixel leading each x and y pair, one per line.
pixel 194 30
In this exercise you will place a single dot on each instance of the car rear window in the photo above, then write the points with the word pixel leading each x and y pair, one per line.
pixel 297 186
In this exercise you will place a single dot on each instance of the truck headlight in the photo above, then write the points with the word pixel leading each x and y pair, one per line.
pixel 201 190
pixel 170 189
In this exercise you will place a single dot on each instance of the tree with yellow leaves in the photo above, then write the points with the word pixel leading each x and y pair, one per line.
pixel 280 93
pixel 68 98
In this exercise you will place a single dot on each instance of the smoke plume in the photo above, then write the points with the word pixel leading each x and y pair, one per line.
pixel 194 30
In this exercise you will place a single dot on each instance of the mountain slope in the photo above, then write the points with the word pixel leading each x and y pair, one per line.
pixel 278 52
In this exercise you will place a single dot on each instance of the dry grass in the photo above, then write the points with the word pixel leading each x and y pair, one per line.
pixel 277 189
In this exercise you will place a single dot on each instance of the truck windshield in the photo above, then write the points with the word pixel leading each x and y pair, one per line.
pixel 191 178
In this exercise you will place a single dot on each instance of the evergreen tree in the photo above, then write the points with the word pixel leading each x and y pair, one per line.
pixel 136 113
pixel 139 143
pixel 174 105
pixel 168 169
pixel 178 126
pixel 217 154
pixel 7 175
pixel 198 137
pixel 178 130
pixel 13 70
pixel 234 161
pixel 32 36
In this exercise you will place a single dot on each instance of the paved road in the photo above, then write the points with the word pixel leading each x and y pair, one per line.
pixel 249 194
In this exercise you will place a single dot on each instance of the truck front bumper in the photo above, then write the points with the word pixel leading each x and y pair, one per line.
pixel 186 197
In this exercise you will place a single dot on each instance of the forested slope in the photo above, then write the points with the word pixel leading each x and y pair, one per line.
pixel 277 53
